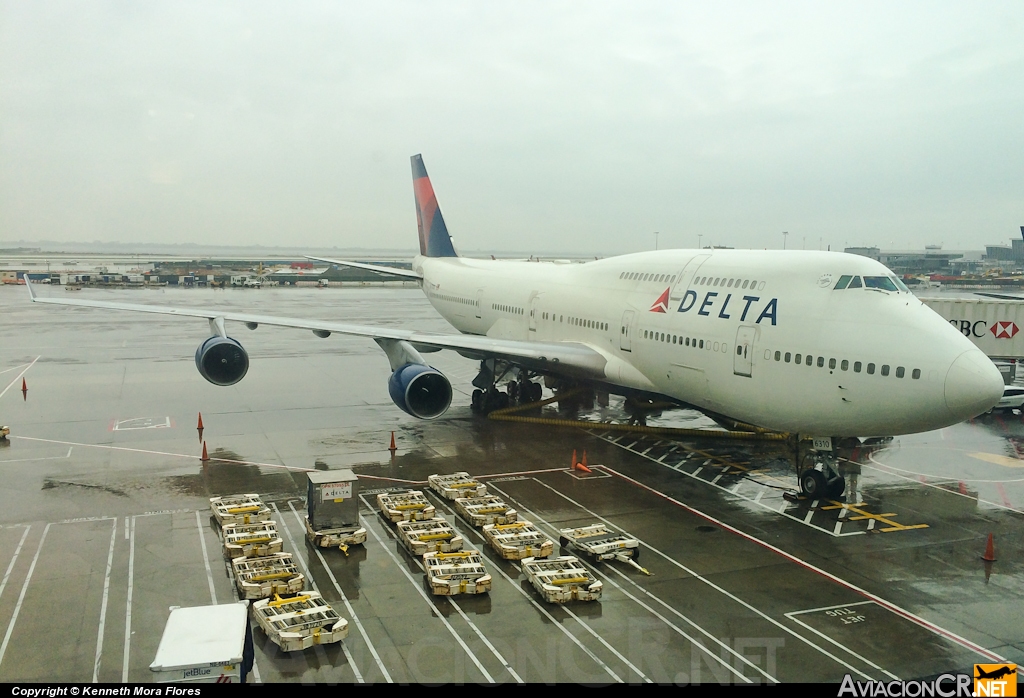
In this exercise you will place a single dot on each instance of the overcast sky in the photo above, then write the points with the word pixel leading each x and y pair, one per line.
pixel 574 126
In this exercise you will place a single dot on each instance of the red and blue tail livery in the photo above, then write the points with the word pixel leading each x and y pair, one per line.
pixel 434 238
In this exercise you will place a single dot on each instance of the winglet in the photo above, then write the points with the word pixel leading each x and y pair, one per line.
pixel 31 291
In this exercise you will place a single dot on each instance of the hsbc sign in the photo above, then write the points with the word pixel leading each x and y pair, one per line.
pixel 1000 329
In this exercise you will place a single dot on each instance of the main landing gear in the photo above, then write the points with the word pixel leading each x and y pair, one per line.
pixel 488 397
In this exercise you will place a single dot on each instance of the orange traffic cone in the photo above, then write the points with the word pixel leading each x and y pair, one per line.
pixel 24 389
pixel 392 447
pixel 200 426
pixel 583 465
pixel 572 464
pixel 990 551
pixel 206 456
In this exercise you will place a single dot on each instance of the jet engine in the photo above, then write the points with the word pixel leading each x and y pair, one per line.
pixel 420 390
pixel 222 360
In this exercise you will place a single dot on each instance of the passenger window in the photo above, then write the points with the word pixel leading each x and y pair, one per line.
pixel 809 360
pixel 787 357
pixel 854 282
pixel 701 344
pixel 916 374
pixel 672 279
pixel 885 369
pixel 845 365
pixel 731 282
pixel 856 366
pixel 821 362
pixel 843 282
pixel 871 369
pixel 900 371
pixel 745 282
pixel 778 356
pixel 831 363
pixel 798 359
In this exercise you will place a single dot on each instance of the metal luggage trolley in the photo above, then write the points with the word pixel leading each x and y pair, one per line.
pixel 410 505
pixel 562 579
pixel 433 535
pixel 251 540
pixel 456 485
pixel 481 511
pixel 298 622
pixel 518 540
pixel 457 573
pixel 598 543
pixel 262 577
pixel 239 509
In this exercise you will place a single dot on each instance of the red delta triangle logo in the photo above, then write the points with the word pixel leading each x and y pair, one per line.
pixel 661 305
pixel 1003 330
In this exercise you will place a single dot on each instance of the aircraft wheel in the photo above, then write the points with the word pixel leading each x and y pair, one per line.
pixel 563 543
pixel 476 403
pixel 812 484
pixel 636 554
pixel 536 392
pixel 836 488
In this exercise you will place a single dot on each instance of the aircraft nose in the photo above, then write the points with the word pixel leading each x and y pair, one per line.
pixel 973 385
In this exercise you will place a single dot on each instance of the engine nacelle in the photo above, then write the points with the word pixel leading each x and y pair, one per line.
pixel 222 360
pixel 420 390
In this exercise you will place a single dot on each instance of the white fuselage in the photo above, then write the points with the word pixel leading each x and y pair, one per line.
pixel 733 326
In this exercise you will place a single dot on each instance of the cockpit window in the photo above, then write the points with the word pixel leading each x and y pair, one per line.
pixel 843 282
pixel 855 283
pixel 899 284
pixel 883 283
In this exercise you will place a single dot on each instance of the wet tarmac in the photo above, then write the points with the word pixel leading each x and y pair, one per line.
pixel 105 522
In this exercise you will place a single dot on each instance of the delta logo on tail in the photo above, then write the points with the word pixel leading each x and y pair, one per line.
pixel 661 305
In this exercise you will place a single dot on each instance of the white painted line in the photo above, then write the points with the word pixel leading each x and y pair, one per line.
pixel 348 607
pixel 757 499
pixel 828 608
pixel 664 457
pixel 706 581
pixel 31 460
pixel 13 368
pixel 938 630
pixel 736 488
pixel 871 524
pixel 604 642
pixel 126 528
pixel 10 567
pixel 128 604
pixel 518 587
pixel 497 655
pixel 312 582
pixel 697 471
pixel 418 587
pixel 256 672
pixel 206 559
pixel 718 477
pixel 810 513
pixel 21 597
pixel 16 380
pixel 711 656
pixel 103 605
pixel 844 647
pixel 838 528
pixel 644 452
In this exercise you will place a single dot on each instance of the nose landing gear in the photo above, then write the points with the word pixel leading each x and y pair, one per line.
pixel 819 475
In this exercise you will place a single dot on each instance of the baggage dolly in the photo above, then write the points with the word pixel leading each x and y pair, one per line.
pixel 562 579
pixel 433 535
pixel 456 485
pixel 518 540
pixel 598 542
pixel 410 505
pixel 339 538
pixel 262 577
pixel 298 622
pixel 239 509
pixel 251 540
pixel 457 573
pixel 481 511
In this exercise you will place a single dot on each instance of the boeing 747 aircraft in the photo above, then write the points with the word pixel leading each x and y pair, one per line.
pixel 810 343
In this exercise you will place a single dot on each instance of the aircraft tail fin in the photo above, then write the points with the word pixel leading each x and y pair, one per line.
pixel 434 238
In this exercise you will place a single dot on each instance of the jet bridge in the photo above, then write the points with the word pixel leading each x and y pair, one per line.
pixel 993 324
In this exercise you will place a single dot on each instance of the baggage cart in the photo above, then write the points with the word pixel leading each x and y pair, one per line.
pixel 298 622
pixel 339 538
pixel 205 644
pixel 457 573
pixel 262 577
pixel 518 540
pixel 239 509
pixel 481 511
pixel 433 535
pixel 456 485
pixel 598 542
pixel 410 505
pixel 562 579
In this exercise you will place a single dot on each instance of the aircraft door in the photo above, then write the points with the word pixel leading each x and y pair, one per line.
pixel 743 359
pixel 479 303
pixel 625 330
pixel 689 271
pixel 533 312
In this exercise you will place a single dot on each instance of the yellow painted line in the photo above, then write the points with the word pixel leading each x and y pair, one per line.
pixel 861 515
pixel 1004 461
pixel 902 528
pixel 876 517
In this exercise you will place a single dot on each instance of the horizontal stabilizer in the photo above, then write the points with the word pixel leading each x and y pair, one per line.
pixel 408 273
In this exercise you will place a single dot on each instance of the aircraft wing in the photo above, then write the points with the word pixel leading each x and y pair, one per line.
pixel 571 358
pixel 409 273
